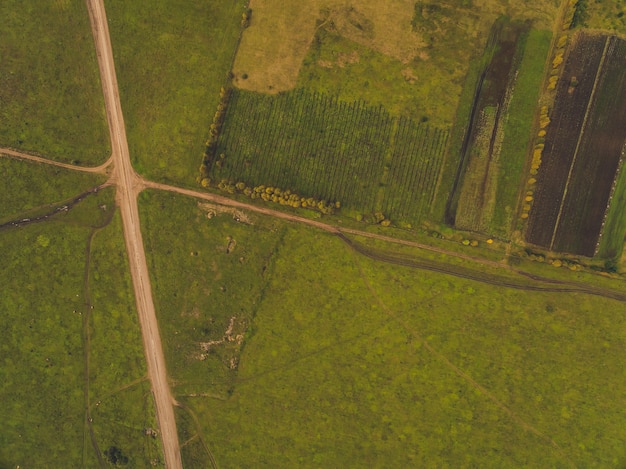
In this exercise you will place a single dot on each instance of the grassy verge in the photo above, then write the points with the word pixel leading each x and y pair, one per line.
pixel 518 127
pixel 172 59
pixel 612 241
pixel 359 363
pixel 71 354
pixel 50 95
pixel 29 186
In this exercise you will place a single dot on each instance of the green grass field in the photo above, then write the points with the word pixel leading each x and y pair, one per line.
pixel 42 362
pixel 198 295
pixel 58 327
pixel 171 59
pixel 50 94
pixel 359 363
pixel 31 187
pixel 120 398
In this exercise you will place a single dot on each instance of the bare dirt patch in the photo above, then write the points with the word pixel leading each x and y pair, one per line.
pixel 214 209
pixel 229 345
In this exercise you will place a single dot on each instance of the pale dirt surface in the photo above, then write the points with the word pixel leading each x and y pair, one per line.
pixel 128 186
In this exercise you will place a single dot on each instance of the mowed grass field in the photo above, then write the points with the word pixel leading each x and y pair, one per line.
pixel 360 363
pixel 50 94
pixel 172 58
pixel 71 345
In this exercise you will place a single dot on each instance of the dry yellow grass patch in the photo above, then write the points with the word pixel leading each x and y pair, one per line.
pixel 274 45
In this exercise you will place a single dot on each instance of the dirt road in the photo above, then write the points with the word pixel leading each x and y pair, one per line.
pixel 128 187
pixel 86 169
pixel 525 281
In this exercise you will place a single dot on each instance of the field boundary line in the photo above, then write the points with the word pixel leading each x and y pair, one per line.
pixel 590 105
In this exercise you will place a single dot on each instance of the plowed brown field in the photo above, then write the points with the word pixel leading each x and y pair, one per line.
pixel 583 147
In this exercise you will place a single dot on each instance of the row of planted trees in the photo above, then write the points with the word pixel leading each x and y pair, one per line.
pixel 278 195
pixel 550 93
pixel 535 163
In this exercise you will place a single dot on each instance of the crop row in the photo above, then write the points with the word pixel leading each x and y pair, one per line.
pixel 329 149
pixel 416 162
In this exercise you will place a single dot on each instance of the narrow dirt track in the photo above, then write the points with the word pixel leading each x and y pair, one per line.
pixel 25 156
pixel 536 283
pixel 128 187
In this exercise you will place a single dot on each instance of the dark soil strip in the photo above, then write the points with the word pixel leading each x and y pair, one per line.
pixel 491 90
pixel 539 283
pixel 598 159
pixel 562 137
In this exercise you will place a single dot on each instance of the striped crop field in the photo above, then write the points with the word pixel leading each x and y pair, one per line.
pixel 332 150
pixel 416 161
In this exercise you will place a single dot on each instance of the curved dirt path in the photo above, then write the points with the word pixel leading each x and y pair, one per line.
pixel 128 187
pixel 9 152
pixel 537 283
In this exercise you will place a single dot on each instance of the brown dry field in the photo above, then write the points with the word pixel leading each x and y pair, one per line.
pixel 273 47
